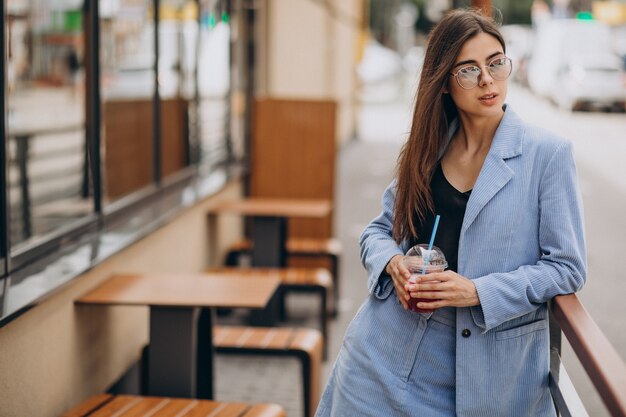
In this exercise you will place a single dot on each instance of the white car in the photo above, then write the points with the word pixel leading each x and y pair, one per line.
pixel 556 42
pixel 590 81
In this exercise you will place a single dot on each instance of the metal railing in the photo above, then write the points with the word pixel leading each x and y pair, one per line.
pixel 601 362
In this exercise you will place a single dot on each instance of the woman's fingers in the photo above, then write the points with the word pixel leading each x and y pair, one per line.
pixel 403 296
pixel 434 295
pixel 437 277
pixel 445 289
pixel 435 286
pixel 400 284
pixel 456 297
pixel 399 275
pixel 433 305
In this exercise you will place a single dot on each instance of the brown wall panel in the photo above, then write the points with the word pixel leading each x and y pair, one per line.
pixel 293 155
pixel 174 134
pixel 127 146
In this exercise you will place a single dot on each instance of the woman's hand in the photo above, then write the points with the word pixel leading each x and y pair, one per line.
pixel 445 288
pixel 399 276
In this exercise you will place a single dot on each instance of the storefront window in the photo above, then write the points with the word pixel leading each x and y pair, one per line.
pixel 127 71
pixel 48 181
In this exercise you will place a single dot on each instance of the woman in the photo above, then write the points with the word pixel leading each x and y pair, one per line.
pixel 511 228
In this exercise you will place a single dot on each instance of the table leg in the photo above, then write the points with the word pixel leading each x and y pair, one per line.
pixel 206 353
pixel 180 360
pixel 269 235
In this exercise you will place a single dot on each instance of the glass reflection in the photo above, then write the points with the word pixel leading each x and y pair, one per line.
pixel 127 89
pixel 214 83
pixel 47 174
pixel 178 40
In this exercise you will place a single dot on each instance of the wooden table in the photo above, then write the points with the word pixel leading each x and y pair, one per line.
pixel 269 223
pixel 180 359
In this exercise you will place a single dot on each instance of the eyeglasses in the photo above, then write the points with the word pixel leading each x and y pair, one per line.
pixel 499 69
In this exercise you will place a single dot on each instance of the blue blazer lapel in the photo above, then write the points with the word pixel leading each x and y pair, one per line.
pixel 495 173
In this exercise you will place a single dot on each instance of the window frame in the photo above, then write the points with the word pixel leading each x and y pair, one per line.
pixel 4 203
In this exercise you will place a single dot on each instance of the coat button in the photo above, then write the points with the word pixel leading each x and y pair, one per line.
pixel 466 333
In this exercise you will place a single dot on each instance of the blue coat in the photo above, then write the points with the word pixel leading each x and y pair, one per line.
pixel 522 243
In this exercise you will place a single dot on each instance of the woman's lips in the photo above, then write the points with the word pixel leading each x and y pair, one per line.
pixel 489 99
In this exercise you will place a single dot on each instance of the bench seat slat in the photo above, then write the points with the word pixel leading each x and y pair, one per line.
pixel 304 339
pixel 117 407
pixel 265 410
pixel 139 406
pixel 299 245
pixel 147 407
pixel 88 405
pixel 307 276
pixel 197 408
pixel 176 407
pixel 320 246
pixel 281 338
pixel 252 337
pixel 219 410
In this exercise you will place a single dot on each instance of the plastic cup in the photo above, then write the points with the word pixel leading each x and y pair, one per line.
pixel 419 260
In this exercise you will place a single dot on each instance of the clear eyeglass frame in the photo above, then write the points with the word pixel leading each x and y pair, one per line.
pixel 499 68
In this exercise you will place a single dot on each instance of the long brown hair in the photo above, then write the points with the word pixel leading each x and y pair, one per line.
pixel 433 113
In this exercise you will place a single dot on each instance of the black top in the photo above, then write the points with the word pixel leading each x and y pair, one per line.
pixel 450 204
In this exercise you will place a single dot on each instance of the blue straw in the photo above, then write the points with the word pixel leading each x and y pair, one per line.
pixel 430 244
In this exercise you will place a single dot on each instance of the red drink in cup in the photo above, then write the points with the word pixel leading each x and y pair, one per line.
pixel 419 260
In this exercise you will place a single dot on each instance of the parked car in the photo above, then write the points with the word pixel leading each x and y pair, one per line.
pixel 589 81
pixel 556 42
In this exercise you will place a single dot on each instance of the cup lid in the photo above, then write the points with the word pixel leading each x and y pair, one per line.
pixel 436 260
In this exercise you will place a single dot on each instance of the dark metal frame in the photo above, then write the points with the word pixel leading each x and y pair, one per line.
pixel 227 128
pixel 92 46
pixel 248 25
pixel 156 102
pixel 4 201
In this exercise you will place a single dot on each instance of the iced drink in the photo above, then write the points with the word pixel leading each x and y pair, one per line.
pixel 419 260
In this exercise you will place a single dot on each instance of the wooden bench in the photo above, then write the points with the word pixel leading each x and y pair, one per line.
pixel 137 406
pixel 297 248
pixel 316 280
pixel 304 344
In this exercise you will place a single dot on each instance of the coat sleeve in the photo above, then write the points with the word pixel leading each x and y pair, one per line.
pixel 378 247
pixel 561 268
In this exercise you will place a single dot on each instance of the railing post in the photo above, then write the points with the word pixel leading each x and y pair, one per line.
pixel 555 352
pixel 555 336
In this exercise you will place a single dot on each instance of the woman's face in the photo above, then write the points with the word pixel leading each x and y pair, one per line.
pixel 487 97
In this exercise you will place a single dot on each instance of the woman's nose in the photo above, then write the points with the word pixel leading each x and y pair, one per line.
pixel 485 78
